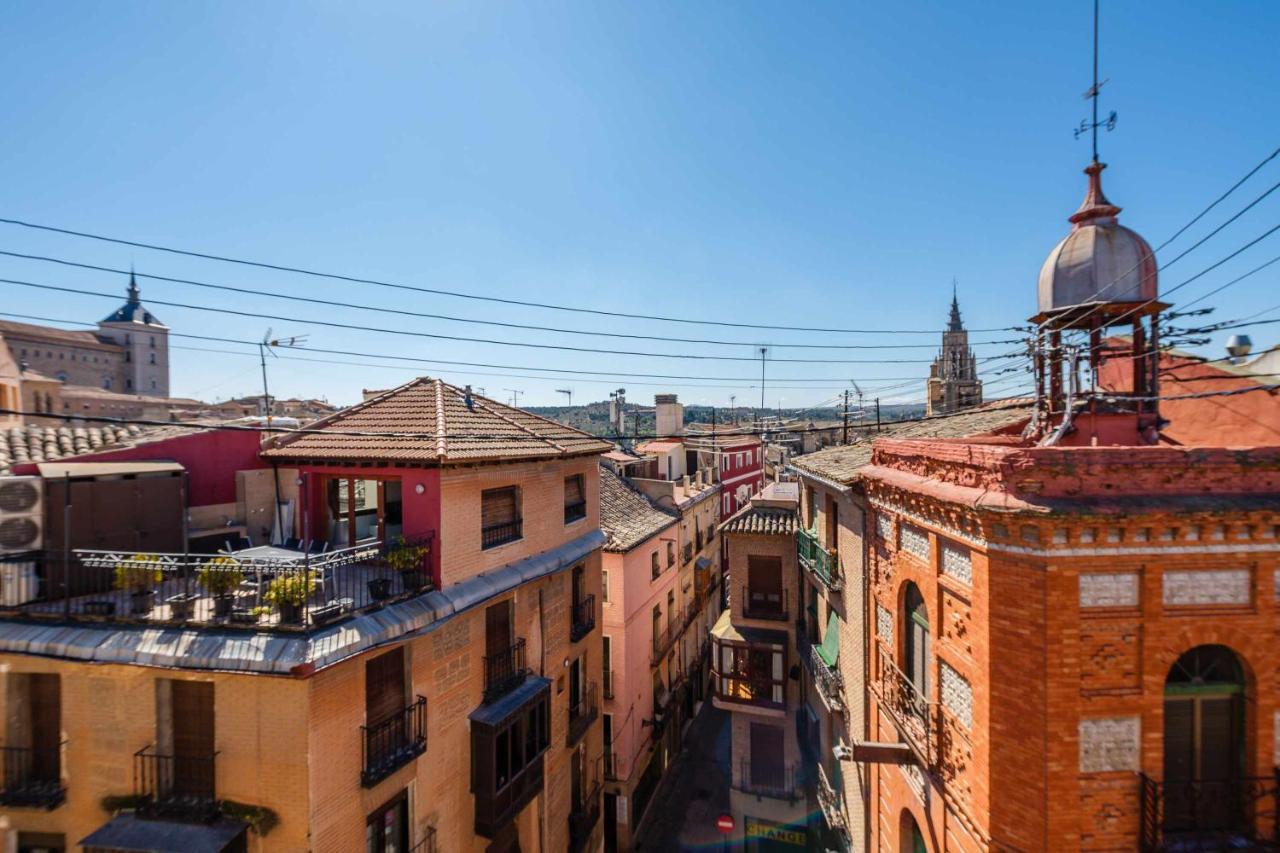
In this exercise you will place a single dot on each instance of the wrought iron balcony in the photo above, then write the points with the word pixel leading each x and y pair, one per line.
pixel 32 778
pixel 824 564
pixel 426 844
pixel 664 640
pixel 392 743
pixel 582 713
pixel 910 711
pixel 504 671
pixel 768 780
pixel 178 787
pixel 584 816
pixel 1201 814
pixel 687 552
pixel 830 800
pixel 583 618
pixel 611 766
pixel 500 534
pixel 828 681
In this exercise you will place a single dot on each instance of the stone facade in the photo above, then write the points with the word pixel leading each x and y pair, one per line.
pixel 953 378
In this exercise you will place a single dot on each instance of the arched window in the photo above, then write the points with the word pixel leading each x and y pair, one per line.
pixel 1204 742
pixel 915 651
pixel 910 838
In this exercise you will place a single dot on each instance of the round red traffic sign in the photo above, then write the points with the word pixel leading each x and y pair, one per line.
pixel 724 823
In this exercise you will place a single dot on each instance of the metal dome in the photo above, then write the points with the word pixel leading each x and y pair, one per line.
pixel 1100 261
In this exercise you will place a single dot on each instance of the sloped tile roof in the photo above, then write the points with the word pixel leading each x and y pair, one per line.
pixel 46 444
pixel 841 464
pixel 627 517
pixel 64 337
pixel 765 521
pixel 428 421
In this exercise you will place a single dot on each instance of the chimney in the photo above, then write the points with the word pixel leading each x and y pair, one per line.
pixel 471 403
pixel 670 415
pixel 697 480
pixel 684 481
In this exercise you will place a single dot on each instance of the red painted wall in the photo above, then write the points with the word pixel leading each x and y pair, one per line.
pixel 211 457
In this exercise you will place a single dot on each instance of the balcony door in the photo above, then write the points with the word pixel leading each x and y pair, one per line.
pixel 766 756
pixel 45 695
pixel 387 829
pixel 192 739
pixel 1204 741
pixel 916 651
pixel 764 584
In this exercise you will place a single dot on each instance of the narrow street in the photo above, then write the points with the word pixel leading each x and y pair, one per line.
pixel 695 791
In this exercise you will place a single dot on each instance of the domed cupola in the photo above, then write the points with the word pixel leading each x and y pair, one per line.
pixel 1100 261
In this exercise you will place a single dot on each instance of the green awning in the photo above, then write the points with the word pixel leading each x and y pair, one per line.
pixel 830 648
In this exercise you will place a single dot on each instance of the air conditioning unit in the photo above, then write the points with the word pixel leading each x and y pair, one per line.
pixel 21 515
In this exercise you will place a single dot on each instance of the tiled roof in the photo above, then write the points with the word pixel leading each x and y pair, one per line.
pixel 65 337
pixel 427 421
pixel 766 521
pixel 45 444
pixel 627 517
pixel 841 464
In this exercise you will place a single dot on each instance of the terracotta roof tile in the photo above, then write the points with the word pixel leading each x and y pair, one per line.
pixel 841 464
pixel 766 521
pixel 627 517
pixel 65 337
pixel 45 444
pixel 428 421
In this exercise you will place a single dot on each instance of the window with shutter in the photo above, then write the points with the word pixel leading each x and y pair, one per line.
pixel 500 520
pixel 764 587
pixel 575 500
pixel 384 686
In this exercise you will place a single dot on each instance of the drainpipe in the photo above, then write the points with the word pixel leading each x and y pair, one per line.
pixel 866 652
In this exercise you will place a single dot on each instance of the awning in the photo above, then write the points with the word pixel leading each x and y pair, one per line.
pixel 702 564
pixel 830 648
pixel 130 832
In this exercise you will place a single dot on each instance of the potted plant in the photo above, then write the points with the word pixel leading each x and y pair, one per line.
pixel 221 577
pixel 289 593
pixel 407 559
pixel 139 575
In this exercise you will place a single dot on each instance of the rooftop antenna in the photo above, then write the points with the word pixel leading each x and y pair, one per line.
pixel 269 344
pixel 1091 94
pixel 515 396
pixel 568 392
pixel 764 351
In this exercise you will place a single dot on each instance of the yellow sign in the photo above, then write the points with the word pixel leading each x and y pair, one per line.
pixel 757 828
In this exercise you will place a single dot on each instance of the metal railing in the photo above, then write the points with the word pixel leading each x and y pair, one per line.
pixel 500 534
pixel 830 800
pixel 830 682
pixel 286 589
pixel 663 641
pixel 31 778
pixel 180 787
pixel 824 564
pixel 768 780
pixel 910 711
pixel 582 713
pixel 391 743
pixel 584 816
pixel 575 511
pixel 427 843
pixel 583 618
pixel 760 607
pixel 504 671
pixel 1201 814
pixel 687 552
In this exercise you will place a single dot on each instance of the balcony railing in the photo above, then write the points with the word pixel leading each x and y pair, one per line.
pixel 909 710
pixel 611 766
pixel 663 640
pixel 1228 814
pixel 608 684
pixel 500 534
pixel 582 713
pixel 830 682
pixel 504 671
pixel 687 552
pixel 392 743
pixel 824 564
pixel 584 816
pixel 263 588
pixel 751 689
pixel 768 780
pixel 583 618
pixel 698 539
pixel 426 844
pixel 770 605
pixel 575 511
pixel 179 787
pixel 32 778
pixel 830 800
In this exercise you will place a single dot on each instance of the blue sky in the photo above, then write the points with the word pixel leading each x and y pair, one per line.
pixel 799 164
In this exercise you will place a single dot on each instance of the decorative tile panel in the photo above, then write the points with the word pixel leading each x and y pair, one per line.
pixel 957 563
pixel 1218 586
pixel 884 526
pixel 1109 589
pixel 913 540
pixel 1109 744
pixel 884 624
pixel 957 694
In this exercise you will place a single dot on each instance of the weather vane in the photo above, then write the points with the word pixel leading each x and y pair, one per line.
pixel 1092 95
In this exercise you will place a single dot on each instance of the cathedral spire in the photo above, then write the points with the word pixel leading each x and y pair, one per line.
pixel 955 325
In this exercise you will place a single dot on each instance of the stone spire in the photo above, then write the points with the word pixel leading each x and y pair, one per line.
pixel 954 325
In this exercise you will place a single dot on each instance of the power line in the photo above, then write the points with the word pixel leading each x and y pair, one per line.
pixel 406 312
pixel 436 336
pixel 460 294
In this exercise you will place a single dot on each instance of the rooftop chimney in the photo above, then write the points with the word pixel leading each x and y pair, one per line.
pixel 670 415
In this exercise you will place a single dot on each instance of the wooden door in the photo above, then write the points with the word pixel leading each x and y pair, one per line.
pixel 497 628
pixel 193 723
pixel 1202 751
pixel 766 755
pixel 384 687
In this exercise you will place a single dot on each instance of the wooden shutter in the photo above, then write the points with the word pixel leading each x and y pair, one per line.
pixel 384 693
pixel 46 723
pixel 498 506
pixel 764 580
pixel 1218 746
pixel 497 628
pixel 1179 740
pixel 766 754
pixel 193 722
pixel 573 490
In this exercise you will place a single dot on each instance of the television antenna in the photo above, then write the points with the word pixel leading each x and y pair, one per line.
pixel 269 344
pixel 515 396
pixel 568 392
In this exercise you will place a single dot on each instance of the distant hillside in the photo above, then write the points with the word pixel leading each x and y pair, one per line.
pixel 594 417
